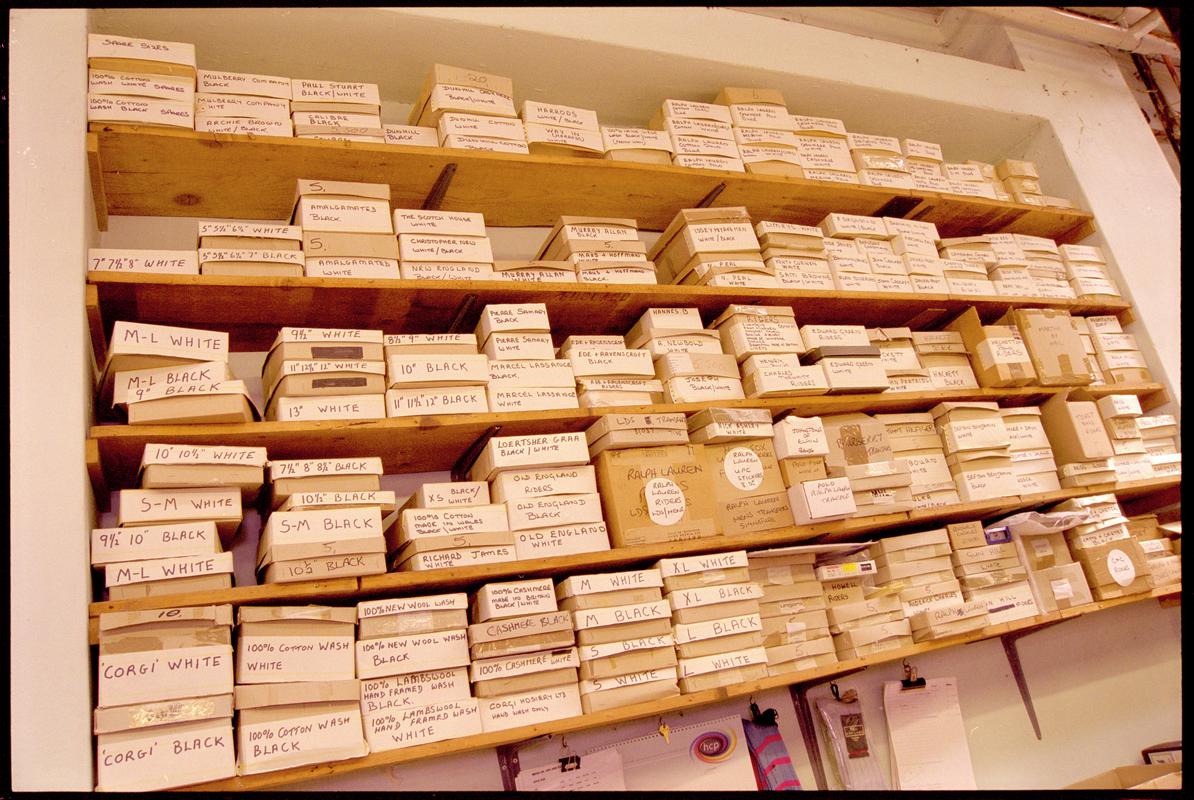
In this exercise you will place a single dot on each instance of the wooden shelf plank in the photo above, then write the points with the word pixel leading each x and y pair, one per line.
pixel 430 443
pixel 651 709
pixel 161 172
pixel 252 309
pixel 395 584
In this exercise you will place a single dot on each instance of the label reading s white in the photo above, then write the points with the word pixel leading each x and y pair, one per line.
pixel 665 501
pixel 743 468
pixel 1120 567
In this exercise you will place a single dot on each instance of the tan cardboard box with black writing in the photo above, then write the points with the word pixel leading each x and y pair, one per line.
pixel 656 494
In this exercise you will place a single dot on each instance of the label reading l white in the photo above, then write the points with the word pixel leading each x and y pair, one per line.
pixel 665 501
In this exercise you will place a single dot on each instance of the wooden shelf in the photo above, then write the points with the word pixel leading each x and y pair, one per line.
pixel 435 442
pixel 143 171
pixel 394 584
pixel 251 309
pixel 658 707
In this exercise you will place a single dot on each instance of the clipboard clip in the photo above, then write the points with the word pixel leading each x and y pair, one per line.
pixel 848 696
pixel 758 717
pixel 911 681
pixel 569 761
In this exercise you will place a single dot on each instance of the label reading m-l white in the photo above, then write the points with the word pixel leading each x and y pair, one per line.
pixel 1121 568
pixel 665 501
pixel 160 569
pixel 147 676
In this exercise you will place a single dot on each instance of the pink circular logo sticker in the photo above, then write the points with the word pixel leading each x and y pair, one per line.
pixel 713 747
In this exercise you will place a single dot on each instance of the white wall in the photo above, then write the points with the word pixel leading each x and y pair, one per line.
pixel 1068 108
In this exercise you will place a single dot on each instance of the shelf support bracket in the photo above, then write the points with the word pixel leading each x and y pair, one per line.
pixel 900 206
pixel 436 196
pixel 465 462
pixel 96 171
pixel 808 726
pixel 1013 659
pixel 95 471
pixel 95 324
pixel 467 303
pixel 507 756
pixel 708 199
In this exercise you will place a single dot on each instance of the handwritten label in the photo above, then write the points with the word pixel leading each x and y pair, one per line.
pixel 280 659
pixel 161 569
pixel 409 726
pixel 300 739
pixel 108 46
pixel 147 676
pixel 398 655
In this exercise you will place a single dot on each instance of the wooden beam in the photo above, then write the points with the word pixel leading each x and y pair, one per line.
pixel 95 171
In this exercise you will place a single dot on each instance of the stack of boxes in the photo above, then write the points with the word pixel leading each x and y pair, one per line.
pixel 914 441
pixel 146 729
pixel 137 346
pixel 708 242
pixel 795 626
pixel 715 619
pixel 538 683
pixel 801 448
pixel 795 255
pixel 1129 457
pixel 824 151
pixel 561 130
pixel 524 373
pixel 445 525
pixel 1045 266
pixel 1021 180
pixel 1010 271
pixel 607 373
pixel 1159 433
pixel 412 656
pixel 250 248
pixel 1056 580
pixel 1030 450
pixel 976 446
pixel 322 475
pixel 435 373
pixel 748 490
pixel 156 262
pixel 943 356
pixel 848 263
pixel 908 236
pixel 1053 345
pixel 297 697
pixel 900 361
pixel 140 81
pixel 846 356
pixel 860 452
pixel 641 145
pixel 997 352
pixel 989 570
pixel 336 111
pixel 1112 560
pixel 969 179
pixel 701 135
pixel 442 245
pixel 1079 441
pixel 762 129
pixel 860 625
pixel 1118 353
pixel 321 535
pixel 1090 360
pixel 233 102
pixel 184 509
pixel 347 229
pixel 325 373
pixel 721 425
pixel 1164 562
pixel 599 250
pixel 879 161
pixel 688 359
pixel 1086 267
pixel 471 110
pixel 924 160
pixel 765 341
pixel 620 431
pixel 626 649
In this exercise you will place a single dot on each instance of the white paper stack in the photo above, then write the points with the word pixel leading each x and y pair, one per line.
pixel 795 625
pixel 443 245
pixel 140 82
pixel 325 373
pixel 412 660
pixel 234 102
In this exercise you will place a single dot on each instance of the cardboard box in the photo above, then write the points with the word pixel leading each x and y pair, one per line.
pixel 162 735
pixel 1053 345
pixel 409 726
pixel 520 452
pixel 1075 428
pixel 513 599
pixel 1115 569
pixel 820 501
pixel 529 708
pixel 420 652
pixel 289 725
pixel 1133 777
pixel 281 644
pixel 855 439
pixel 656 494
pixel 621 691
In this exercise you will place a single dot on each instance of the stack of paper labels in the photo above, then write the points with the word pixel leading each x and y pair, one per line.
pixel 700 133
pixel 347 229
pixel 914 441
pixel 153 560
pixel 443 245
pixel 1129 458
pixel 321 535
pixel 607 373
pixel 824 153
pixel 1079 439
pixel 234 102
pixel 715 618
pixel 297 697
pixel 349 112
pixel 879 161
pixel 846 356
pixel 626 649
pixel 140 81
pixel 763 130
pixel 561 130
pixel 435 373
pixel 794 255
pixel 250 248
pixel 944 356
pixel 470 110
pixel 795 626
pixel 701 245
pixel 598 250
pixel 977 451
pixel 325 373
pixel 860 452
pixel 862 619
pixel 1031 453
pixel 412 657
pixel 801 448
pixel 538 682
pixel 900 360
pixel 444 525
pixel 157 719
pixel 766 342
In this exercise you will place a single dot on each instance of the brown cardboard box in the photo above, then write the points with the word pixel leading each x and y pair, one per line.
pixel 1075 428
pixel 1055 348
pixel 656 494
pixel 593 702
pixel 997 354
pixel 620 633
pixel 855 439
pixel 1129 777
pixel 748 489
pixel 1115 569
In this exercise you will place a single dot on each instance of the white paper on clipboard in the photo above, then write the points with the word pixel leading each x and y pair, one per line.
pixel 927 736
pixel 709 756
pixel 598 772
